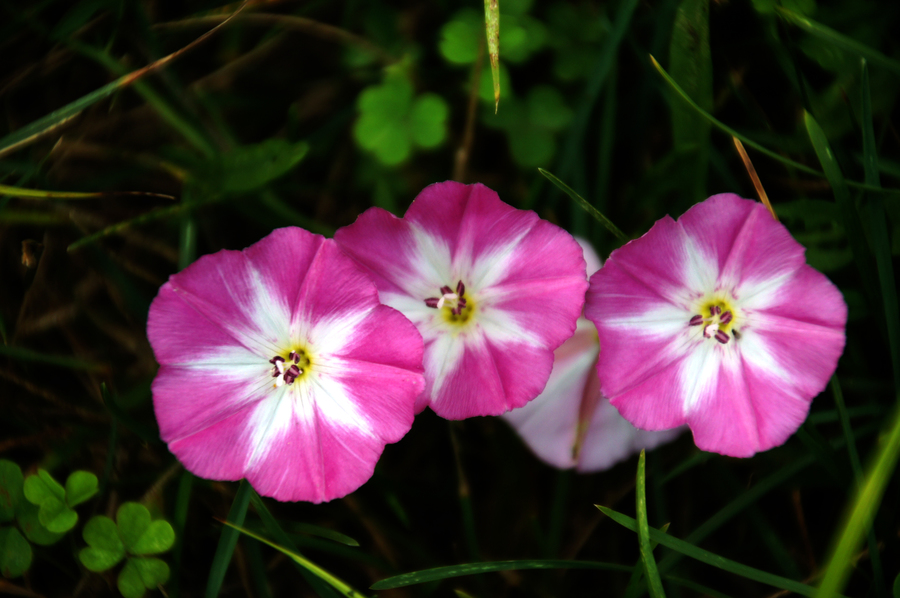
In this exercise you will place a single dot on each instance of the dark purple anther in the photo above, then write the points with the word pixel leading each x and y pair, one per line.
pixel 291 374
pixel 721 337
pixel 432 302
pixel 696 320
pixel 726 317
pixel 462 303
pixel 276 359
pixel 715 310
pixel 460 288
pixel 445 290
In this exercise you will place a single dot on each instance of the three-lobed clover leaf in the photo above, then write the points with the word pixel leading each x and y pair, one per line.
pixel 57 502
pixel 134 535
pixel 392 120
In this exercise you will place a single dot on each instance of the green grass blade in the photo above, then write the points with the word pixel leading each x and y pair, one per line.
pixel 849 216
pixel 29 133
pixel 339 585
pixel 872 210
pixel 738 505
pixel 228 539
pixel 586 206
pixel 492 30
pixel 863 512
pixel 179 524
pixel 426 575
pixel 634 587
pixel 749 142
pixel 275 530
pixel 572 146
pixel 839 40
pixel 712 559
pixel 41 194
pixel 72 363
pixel 650 570
pixel 690 63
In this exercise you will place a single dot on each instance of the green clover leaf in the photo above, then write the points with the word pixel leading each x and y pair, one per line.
pixel 105 547
pixel 133 534
pixel 392 120
pixel 140 574
pixel 139 534
pixel 11 482
pixel 15 552
pixel 56 502
pixel 44 491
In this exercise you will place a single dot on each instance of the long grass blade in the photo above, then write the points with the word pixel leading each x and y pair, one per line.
pixel 319 586
pixel 72 363
pixel 426 575
pixel 650 570
pixel 586 206
pixel 32 132
pixel 863 511
pixel 849 216
pixel 634 587
pixel 749 142
pixel 492 30
pixel 41 194
pixel 335 582
pixel 228 539
pixel 872 210
pixel 710 558
pixel 838 40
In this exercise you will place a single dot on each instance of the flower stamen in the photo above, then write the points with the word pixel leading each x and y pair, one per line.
pixel 717 324
pixel 286 371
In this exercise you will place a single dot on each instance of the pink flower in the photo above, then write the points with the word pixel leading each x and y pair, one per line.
pixel 716 321
pixel 279 365
pixel 492 289
pixel 571 424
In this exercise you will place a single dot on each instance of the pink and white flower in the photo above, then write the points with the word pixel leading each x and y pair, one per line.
pixel 716 321
pixel 493 290
pixel 570 424
pixel 278 364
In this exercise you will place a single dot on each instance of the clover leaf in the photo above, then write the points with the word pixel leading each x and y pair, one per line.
pixel 55 501
pixel 461 37
pixel 393 120
pixel 28 518
pixel 15 552
pixel 11 482
pixel 133 535
pixel 140 574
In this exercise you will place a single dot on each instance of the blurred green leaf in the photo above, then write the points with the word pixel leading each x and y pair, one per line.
pixel 897 586
pixel 77 17
pixel 522 36
pixel 29 522
pixel 249 167
pixel 547 108
pixel 803 7
pixel 586 206
pixel 15 553
pixel 11 482
pixel 141 574
pixel 391 120
pixel 105 547
pixel 461 36
pixel 80 486
pixel 427 120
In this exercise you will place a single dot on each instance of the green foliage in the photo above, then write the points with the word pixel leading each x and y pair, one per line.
pixel 532 125
pixel 56 503
pixel 135 536
pixel 11 481
pixel 249 167
pixel 15 553
pixel 393 120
